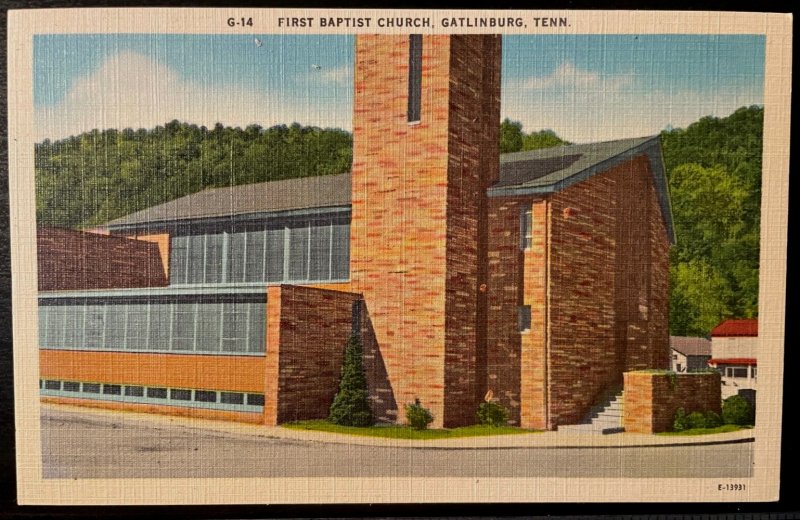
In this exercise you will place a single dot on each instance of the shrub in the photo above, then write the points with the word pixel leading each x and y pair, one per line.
pixel 696 420
pixel 737 410
pixel 492 414
pixel 418 416
pixel 680 423
pixel 351 405
pixel 713 419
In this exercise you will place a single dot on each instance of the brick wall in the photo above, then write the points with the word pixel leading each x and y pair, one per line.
pixel 415 210
pixel 609 266
pixel 516 362
pixel 651 399
pixel 306 341
pixel 473 164
pixel 75 260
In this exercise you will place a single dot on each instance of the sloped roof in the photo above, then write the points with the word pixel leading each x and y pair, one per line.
pixel 689 346
pixel 549 170
pixel 732 328
pixel 283 195
pixel 542 171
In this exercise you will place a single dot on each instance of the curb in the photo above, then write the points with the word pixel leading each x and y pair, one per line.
pixel 543 440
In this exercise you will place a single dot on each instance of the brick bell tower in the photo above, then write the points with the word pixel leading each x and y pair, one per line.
pixel 425 131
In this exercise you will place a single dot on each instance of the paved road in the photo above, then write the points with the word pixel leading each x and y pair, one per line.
pixel 79 445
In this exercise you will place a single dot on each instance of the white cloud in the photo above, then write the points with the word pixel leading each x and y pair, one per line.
pixel 582 106
pixel 132 90
pixel 340 75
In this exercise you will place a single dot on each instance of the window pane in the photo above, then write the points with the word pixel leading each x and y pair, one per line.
pixel 231 398
pixel 524 317
pixel 177 260
pixel 72 386
pixel 275 245
pixel 214 258
pixel 205 396
pixel 136 329
pixel 298 253
pixel 236 252
pixel 208 326
pixel 44 312
pixel 95 326
pixel 320 251
pixel 112 389
pixel 254 262
pixel 134 391
pixel 73 329
pixel 255 399
pixel 180 394
pixel 55 326
pixel 91 388
pixel 255 342
pixel 115 326
pixel 183 325
pixel 157 393
pixel 52 385
pixel 340 268
pixel 234 327
pixel 196 258
pixel 159 326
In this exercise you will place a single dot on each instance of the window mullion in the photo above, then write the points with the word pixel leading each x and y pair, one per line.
pixel 286 251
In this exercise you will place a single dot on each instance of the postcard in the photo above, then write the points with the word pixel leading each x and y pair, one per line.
pixel 270 256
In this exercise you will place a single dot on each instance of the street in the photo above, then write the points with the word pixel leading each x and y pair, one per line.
pixel 79 445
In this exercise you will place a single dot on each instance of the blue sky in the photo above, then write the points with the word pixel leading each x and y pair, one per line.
pixel 586 88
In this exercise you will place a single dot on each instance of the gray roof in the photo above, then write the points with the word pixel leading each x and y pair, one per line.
pixel 284 195
pixel 689 346
pixel 549 170
pixel 542 171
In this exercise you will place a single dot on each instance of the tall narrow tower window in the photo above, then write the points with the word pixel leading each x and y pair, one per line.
pixel 414 77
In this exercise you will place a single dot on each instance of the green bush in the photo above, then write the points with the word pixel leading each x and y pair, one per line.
pixel 713 420
pixel 696 420
pixel 737 410
pixel 492 414
pixel 680 422
pixel 351 405
pixel 418 416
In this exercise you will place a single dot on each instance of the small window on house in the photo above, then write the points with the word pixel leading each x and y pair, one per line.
pixel 414 77
pixel 526 229
pixel 679 368
pixel 91 388
pixel 134 391
pixel 524 318
pixel 736 372
pixel 52 385
pixel 157 393
pixel 231 398
pixel 205 396
pixel 112 389
pixel 255 399
pixel 180 394
pixel 72 386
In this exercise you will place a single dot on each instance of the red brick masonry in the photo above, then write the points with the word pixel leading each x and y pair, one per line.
pixel 652 398
pixel 76 260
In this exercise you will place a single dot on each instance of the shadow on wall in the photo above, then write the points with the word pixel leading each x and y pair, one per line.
pixel 381 395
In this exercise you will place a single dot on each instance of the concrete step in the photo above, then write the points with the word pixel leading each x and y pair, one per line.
pixel 590 428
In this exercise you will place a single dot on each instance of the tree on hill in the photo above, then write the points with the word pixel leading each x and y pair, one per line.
pixel 714 171
pixel 97 176
pixel 514 139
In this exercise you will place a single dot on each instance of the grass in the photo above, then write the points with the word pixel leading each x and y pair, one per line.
pixel 405 432
pixel 725 428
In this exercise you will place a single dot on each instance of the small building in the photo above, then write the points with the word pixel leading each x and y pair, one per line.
pixel 734 352
pixel 539 277
pixel 689 354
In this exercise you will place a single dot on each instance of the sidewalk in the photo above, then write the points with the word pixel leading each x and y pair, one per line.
pixel 542 440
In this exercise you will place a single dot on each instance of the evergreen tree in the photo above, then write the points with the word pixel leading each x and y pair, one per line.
pixel 351 406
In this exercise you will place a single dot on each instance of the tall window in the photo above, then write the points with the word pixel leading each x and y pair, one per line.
pixel 295 250
pixel 526 229
pixel 414 77
pixel 524 318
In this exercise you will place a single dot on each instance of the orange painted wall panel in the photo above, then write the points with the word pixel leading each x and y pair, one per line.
pixel 233 373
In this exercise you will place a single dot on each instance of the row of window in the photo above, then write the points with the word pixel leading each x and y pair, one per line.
pixel 214 399
pixel 204 327
pixel 296 251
